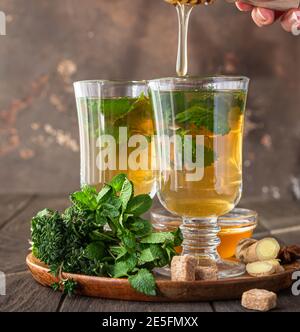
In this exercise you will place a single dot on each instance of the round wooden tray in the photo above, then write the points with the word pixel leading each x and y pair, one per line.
pixel 168 291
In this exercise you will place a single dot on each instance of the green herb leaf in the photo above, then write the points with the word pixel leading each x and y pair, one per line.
pixel 143 282
pixel 109 211
pixel 124 266
pixel 139 226
pixel 117 182
pixel 126 193
pixel 85 199
pixel 118 251
pixel 215 122
pixel 128 239
pixel 55 286
pixel 152 253
pixel 158 237
pixel 139 205
pixel 98 236
pixel 178 237
pixel 48 233
pixel 69 287
pixel 100 220
pixel 103 193
pixel 95 250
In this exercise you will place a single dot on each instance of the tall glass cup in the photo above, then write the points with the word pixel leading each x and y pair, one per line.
pixel 116 127
pixel 199 126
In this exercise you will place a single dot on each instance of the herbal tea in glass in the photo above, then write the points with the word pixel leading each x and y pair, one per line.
pixel 116 127
pixel 199 126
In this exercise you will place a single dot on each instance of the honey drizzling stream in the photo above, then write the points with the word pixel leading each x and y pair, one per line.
pixel 184 9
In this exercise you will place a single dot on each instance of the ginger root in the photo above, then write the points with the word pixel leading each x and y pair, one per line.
pixel 242 247
pixel 260 269
pixel 276 264
pixel 251 251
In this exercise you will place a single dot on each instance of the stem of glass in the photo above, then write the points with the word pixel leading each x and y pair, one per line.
pixel 201 238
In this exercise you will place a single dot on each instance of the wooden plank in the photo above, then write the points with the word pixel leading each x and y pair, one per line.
pixel 78 303
pixel 228 306
pixel 11 205
pixel 14 237
pixel 23 294
pixel 286 302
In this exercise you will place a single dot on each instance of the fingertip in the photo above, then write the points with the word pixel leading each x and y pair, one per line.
pixel 290 19
pixel 263 16
pixel 243 7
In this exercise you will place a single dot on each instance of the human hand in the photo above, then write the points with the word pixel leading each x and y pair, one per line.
pixel 262 17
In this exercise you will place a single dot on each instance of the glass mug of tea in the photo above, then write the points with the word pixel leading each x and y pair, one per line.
pixel 116 129
pixel 199 134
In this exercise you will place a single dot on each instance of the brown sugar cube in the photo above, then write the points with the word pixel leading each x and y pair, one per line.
pixel 259 299
pixel 206 262
pixel 183 268
pixel 206 273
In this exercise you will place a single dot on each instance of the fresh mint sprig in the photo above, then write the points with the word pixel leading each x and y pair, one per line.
pixel 103 234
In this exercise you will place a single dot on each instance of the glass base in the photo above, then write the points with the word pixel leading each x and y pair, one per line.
pixel 227 269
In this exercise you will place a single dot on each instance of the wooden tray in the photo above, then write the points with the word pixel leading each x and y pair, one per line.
pixel 168 291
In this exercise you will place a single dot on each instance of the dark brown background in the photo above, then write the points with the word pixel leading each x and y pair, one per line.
pixel 50 44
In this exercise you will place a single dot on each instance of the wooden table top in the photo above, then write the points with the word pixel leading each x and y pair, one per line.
pixel 279 218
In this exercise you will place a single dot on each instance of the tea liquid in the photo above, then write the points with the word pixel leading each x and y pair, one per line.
pixel 101 117
pixel 218 116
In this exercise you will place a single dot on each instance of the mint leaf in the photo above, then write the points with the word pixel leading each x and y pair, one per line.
pixel 109 211
pixel 106 237
pixel 117 108
pixel 150 254
pixel 139 226
pixel 178 237
pixel 124 266
pixel 128 239
pixel 126 193
pixel 103 193
pixel 118 251
pixel 139 205
pixel 143 282
pixel 85 199
pixel 159 237
pixel 215 121
pixel 146 256
pixel 115 201
pixel 100 220
pixel 95 250
pixel 117 182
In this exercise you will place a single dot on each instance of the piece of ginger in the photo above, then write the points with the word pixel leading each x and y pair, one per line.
pixel 262 250
pixel 260 269
pixel 276 264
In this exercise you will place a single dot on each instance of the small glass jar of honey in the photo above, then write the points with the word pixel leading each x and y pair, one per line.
pixel 235 225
